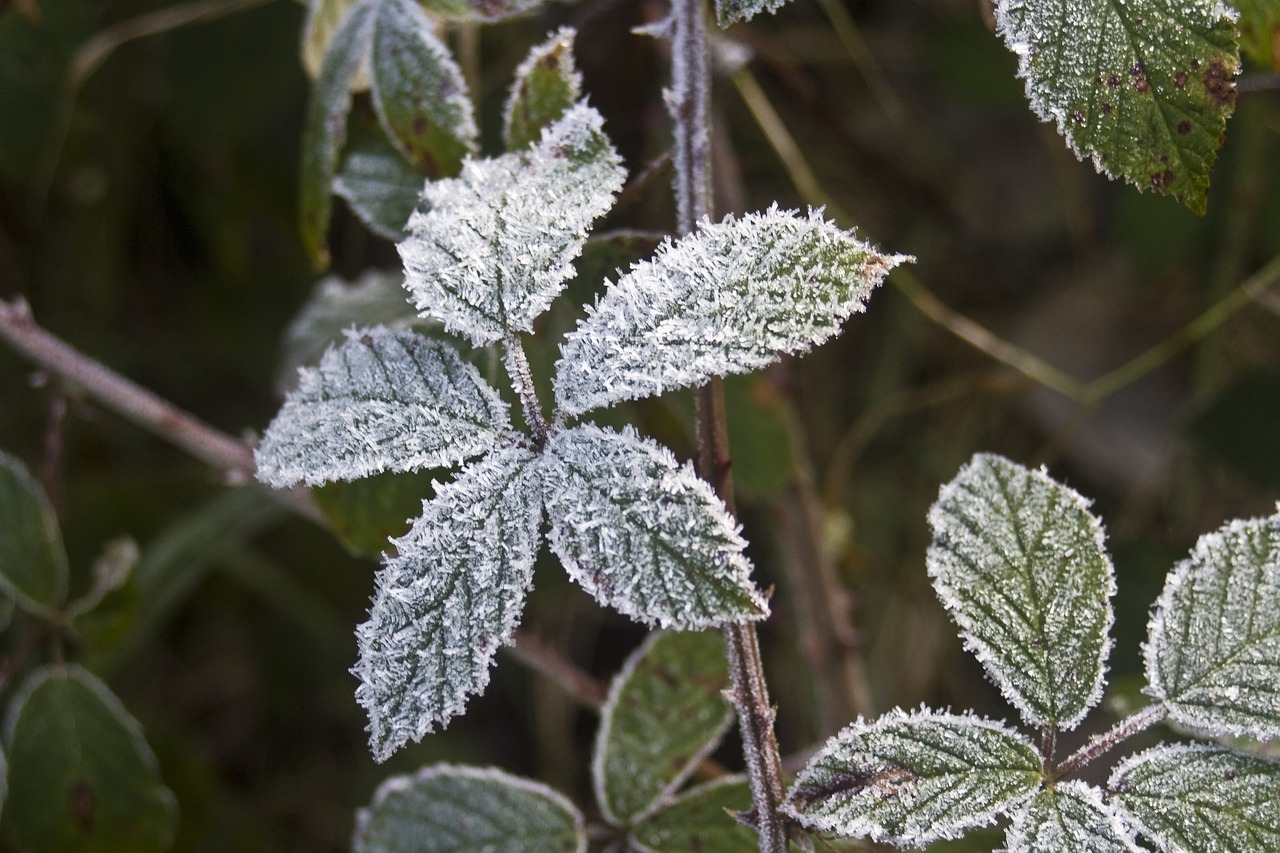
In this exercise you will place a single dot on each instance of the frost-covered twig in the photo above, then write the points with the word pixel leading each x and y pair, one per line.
pixel 1099 745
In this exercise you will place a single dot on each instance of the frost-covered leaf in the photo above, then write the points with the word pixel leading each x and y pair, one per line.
pixel 482 10
pixel 1260 30
pixel 727 299
pixel 448 809
pixel 326 127
pixel 699 820
pixel 732 11
pixel 546 86
pixel 323 18
pixel 81 776
pixel 1214 649
pixel 377 182
pixel 1142 87
pixel 1070 816
pixel 642 533
pixel 1019 562
pixel 1196 798
pixel 33 563
pixel 664 713
pixel 418 90
pixel 497 244
pixel 383 401
pixel 449 599
pixel 910 779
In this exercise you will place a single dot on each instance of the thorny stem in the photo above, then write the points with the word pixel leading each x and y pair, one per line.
pixel 522 381
pixel 690 100
pixel 1100 745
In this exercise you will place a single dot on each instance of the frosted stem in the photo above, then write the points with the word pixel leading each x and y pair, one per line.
pixel 1100 745
pixel 522 381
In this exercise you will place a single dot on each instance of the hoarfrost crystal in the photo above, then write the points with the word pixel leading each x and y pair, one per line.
pixel 1071 816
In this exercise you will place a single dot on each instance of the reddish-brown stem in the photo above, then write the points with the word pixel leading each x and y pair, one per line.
pixel 1100 745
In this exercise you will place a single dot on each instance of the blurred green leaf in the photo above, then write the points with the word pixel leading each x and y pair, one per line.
pixel 763 462
pixel 82 778
pixel 1260 30
pixel 104 616
pixel 33 563
pixel 323 18
pixel 380 185
pixel 363 514
pixel 546 85
pixel 700 821
pixel 1236 428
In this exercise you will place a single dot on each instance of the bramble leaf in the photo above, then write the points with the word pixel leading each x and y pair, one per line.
pixel 546 86
pixel 364 514
pixel 1019 562
pixel 448 809
pixel 909 779
pixel 497 244
pixel 449 599
pixel 732 11
pixel 727 299
pixel 383 401
pixel 33 562
pixel 1192 798
pixel 1214 649
pixel 699 821
pixel 665 712
pixel 323 18
pixel 381 187
pixel 644 534
pixel 1143 88
pixel 1069 816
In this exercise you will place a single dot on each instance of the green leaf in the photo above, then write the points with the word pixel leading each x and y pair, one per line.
pixel 664 714
pixel 448 809
pixel 323 19
pixel 418 90
pixel 81 777
pixel 1070 816
pixel 1260 31
pixel 326 127
pixel 364 514
pixel 732 11
pixel 909 779
pixel 643 534
pixel 1143 87
pixel 699 821
pixel 482 10
pixel 450 598
pixel 1214 649
pixel 1194 798
pixel 33 563
pixel 759 438
pixel 104 616
pixel 377 182
pixel 546 86
pixel 383 401
pixel 1019 562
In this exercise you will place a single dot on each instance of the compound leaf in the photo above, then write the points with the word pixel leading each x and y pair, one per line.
pixel 1019 562
pixel 33 563
pixel 497 244
pixel 546 86
pixel 1143 88
pixel 726 299
pixel 664 713
pixel 383 401
pixel 732 11
pixel 381 187
pixel 699 820
pixel 642 533
pixel 448 809
pixel 81 776
pixel 1069 816
pixel 1191 798
pixel 910 779
pixel 1213 653
pixel 450 598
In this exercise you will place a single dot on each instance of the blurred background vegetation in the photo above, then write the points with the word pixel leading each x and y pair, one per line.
pixel 148 200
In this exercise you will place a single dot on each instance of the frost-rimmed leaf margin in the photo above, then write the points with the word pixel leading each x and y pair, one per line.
pixel 461 800
pixel 729 298
pixel 497 243
pixel 1070 816
pixel 450 597
pixel 876 778
pixel 730 12
pixel 1179 795
pixel 664 714
pixel 379 185
pixel 644 534
pixel 1020 563
pixel 1213 647
pixel 33 560
pixel 383 401
pixel 546 85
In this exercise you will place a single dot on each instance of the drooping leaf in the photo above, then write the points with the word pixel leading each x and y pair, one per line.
pixel 1069 816
pixel 642 533
pixel 450 598
pixel 665 712
pixel 1193 798
pixel 482 10
pixel 377 182
pixel 103 616
pixel 497 244
pixel 546 86
pixel 81 776
pixel 1143 88
pixel 698 821
pixel 419 91
pixel 1019 562
pixel 383 401
pixel 732 11
pixel 326 127
pixel 727 299
pixel 33 563
pixel 1214 649
pixel 365 514
pixel 909 779
pixel 448 809
pixel 1260 30
pixel 323 18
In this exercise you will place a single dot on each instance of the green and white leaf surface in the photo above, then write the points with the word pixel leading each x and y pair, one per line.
pixel 33 562
pixel 1019 562
pixel 546 86
pixel 379 184
pixel 699 820
pixel 732 11
pixel 1070 816
pixel 1143 88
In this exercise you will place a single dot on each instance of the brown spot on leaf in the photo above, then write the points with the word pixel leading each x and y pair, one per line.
pixel 1160 180
pixel 1139 74
pixel 1113 80
pixel 1195 65
pixel 1180 79
pixel 1220 84
pixel 84 805
pixel 1184 127
pixel 419 126
pixel 1106 109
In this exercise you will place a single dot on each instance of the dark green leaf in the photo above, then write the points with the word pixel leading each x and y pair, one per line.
pixel 763 462
pixel 364 514
pixel 1070 816
pixel 546 85
pixel 33 564
pixel 377 182
pixel 700 820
